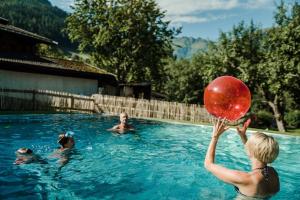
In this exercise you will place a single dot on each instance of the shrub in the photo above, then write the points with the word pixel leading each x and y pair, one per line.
pixel 263 119
pixel 292 119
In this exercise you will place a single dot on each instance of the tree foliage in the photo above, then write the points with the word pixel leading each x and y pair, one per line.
pixel 126 37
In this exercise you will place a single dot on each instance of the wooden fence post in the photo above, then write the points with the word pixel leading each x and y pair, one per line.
pixel 72 102
pixel 33 100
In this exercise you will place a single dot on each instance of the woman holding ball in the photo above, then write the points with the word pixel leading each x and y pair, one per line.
pixel 262 181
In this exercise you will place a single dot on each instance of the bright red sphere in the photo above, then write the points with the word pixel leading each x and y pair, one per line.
pixel 227 97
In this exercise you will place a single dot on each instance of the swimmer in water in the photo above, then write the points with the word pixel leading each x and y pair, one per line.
pixel 262 181
pixel 67 142
pixel 26 156
pixel 123 126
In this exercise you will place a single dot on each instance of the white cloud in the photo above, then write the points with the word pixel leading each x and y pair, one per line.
pixel 191 11
pixel 187 19
pixel 177 20
pixel 255 4
pixel 182 7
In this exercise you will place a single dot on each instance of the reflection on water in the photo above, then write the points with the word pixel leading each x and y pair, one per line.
pixel 157 161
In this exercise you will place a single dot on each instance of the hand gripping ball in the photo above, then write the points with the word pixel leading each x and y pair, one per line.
pixel 227 97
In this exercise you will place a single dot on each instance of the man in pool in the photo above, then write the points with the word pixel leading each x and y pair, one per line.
pixel 123 126
pixel 262 181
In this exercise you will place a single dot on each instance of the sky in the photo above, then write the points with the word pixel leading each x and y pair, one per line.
pixel 207 18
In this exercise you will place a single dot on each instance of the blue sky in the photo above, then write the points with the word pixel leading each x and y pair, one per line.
pixel 206 18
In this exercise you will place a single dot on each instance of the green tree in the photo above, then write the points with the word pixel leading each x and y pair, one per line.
pixel 184 81
pixel 280 67
pixel 127 37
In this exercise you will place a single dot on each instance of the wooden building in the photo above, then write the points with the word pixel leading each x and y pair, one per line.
pixel 21 67
pixel 136 90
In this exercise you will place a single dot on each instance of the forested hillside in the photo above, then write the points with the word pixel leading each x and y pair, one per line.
pixel 37 16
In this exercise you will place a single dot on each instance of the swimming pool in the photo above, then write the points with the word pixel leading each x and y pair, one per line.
pixel 157 161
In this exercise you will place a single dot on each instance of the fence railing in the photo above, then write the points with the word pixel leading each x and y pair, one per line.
pixel 45 100
pixel 33 100
pixel 151 109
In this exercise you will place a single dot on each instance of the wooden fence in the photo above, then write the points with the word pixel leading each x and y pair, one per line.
pixel 44 100
pixel 151 109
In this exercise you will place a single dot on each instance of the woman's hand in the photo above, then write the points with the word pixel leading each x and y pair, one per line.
pixel 242 130
pixel 219 127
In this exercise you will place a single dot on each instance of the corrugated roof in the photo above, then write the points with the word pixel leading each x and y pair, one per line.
pixel 53 63
pixel 3 21
pixel 136 84
pixel 76 65
pixel 22 32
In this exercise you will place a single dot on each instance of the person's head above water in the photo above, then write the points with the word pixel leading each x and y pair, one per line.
pixel 24 151
pixel 123 125
pixel 66 140
pixel 262 147
pixel 24 156
pixel 124 118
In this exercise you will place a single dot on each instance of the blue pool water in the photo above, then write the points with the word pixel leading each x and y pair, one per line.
pixel 157 161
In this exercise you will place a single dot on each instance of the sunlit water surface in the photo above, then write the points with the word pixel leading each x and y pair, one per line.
pixel 157 161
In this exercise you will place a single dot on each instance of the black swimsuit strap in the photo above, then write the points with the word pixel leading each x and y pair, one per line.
pixel 264 171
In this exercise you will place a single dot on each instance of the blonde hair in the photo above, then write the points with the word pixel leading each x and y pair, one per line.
pixel 263 147
pixel 123 113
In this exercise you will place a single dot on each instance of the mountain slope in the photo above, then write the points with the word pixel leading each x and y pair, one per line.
pixel 186 47
pixel 37 16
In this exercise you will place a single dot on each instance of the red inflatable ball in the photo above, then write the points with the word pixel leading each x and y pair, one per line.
pixel 227 97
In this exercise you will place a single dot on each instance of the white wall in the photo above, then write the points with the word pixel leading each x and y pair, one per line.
pixel 29 81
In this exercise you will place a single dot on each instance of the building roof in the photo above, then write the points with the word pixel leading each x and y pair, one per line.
pixel 76 65
pixel 54 66
pixel 141 84
pixel 4 26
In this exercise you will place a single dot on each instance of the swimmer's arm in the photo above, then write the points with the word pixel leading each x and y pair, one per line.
pixel 55 154
pixel 230 176
pixel 234 177
pixel 131 128
pixel 242 131
pixel 244 139
pixel 116 127
pixel 218 128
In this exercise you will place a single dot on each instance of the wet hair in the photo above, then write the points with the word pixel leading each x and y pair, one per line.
pixel 124 113
pixel 263 147
pixel 62 139
pixel 24 150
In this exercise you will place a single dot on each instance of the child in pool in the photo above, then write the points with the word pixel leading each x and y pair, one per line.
pixel 66 141
pixel 262 181
pixel 123 126
pixel 26 156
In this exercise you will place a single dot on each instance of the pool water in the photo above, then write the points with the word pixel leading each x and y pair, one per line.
pixel 157 161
